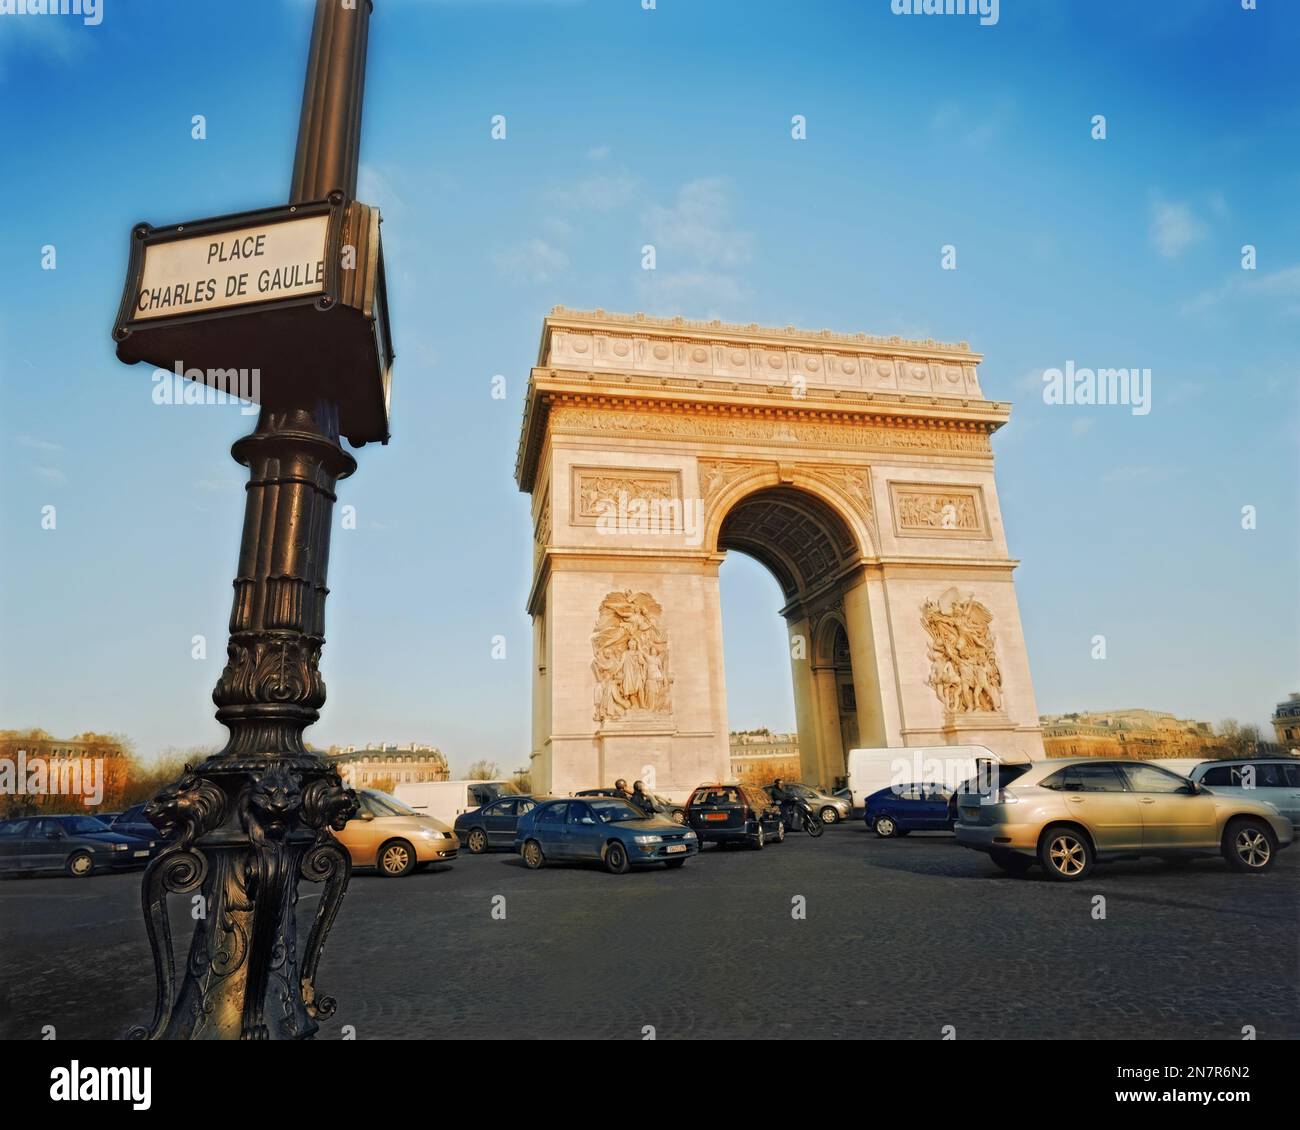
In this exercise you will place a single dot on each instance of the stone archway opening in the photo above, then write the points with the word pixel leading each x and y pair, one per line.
pixel 813 553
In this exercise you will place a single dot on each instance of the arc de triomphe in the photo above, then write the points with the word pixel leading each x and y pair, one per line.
pixel 857 469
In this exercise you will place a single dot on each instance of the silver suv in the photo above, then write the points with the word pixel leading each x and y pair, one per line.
pixel 1274 780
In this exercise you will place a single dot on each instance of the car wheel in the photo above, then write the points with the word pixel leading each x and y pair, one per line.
pixel 1011 863
pixel 679 817
pixel 1065 854
pixel 829 815
pixel 534 857
pixel 396 858
pixel 759 839
pixel 616 861
pixel 80 864
pixel 780 831
pixel 673 864
pixel 477 841
pixel 884 827
pixel 1248 845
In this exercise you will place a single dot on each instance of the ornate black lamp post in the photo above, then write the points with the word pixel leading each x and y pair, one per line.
pixel 252 820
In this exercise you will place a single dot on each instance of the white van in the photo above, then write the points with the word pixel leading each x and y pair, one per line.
pixel 445 800
pixel 871 770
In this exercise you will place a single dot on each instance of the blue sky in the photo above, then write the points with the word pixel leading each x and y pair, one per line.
pixel 671 127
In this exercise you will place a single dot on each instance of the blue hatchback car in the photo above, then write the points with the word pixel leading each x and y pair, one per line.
pixel 601 830
pixel 899 809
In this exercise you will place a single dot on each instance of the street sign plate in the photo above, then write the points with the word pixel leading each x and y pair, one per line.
pixel 296 294
pixel 264 263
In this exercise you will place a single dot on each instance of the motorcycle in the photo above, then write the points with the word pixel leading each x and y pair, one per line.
pixel 799 817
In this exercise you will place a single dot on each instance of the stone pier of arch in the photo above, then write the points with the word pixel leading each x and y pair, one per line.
pixel 858 470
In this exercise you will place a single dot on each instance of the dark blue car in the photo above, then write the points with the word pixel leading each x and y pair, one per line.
pixel 76 845
pixel 899 809
pixel 601 830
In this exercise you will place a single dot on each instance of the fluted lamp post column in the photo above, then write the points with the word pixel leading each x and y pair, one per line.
pixel 245 826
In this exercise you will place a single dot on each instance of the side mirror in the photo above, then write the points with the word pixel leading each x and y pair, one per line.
pixel 367 815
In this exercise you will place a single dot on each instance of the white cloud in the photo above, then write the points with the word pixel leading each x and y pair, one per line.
pixel 38 444
pixel 1279 287
pixel 534 261
pixel 601 192
pixel 699 294
pixel 696 227
pixel 974 126
pixel 1174 228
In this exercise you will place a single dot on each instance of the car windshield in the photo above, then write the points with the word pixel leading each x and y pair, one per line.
pixel 612 811
pixel 84 825
pixel 381 804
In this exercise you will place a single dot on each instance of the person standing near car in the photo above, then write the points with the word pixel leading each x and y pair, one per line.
pixel 642 799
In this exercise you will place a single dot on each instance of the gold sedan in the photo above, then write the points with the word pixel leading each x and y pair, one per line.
pixel 1067 814
pixel 394 839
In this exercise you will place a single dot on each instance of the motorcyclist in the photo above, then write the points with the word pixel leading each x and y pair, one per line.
pixel 783 798
pixel 642 798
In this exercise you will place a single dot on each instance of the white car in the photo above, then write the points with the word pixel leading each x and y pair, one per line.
pixel 1274 780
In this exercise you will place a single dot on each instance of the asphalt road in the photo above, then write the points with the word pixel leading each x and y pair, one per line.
pixel 901 938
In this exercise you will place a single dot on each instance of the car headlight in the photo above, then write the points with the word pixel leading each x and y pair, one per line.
pixel 431 834
pixel 118 847
pixel 689 835
pixel 649 839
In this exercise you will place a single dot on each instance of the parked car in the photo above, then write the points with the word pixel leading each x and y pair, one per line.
pixel 445 800
pixel 494 824
pixel 1068 814
pixel 1274 780
pixel 734 814
pixel 132 822
pixel 900 809
pixel 393 838
pixel 662 806
pixel 829 807
pixel 76 845
pixel 604 830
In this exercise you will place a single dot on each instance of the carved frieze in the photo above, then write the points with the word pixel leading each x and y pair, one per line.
pixel 576 420
pixel 929 510
pixel 717 473
pixel 599 493
pixel 964 668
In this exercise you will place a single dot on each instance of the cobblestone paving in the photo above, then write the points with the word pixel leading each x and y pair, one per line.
pixel 901 938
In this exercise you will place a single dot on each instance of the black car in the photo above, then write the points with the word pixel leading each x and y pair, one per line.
pixel 132 823
pixel 659 806
pixel 76 845
pixel 734 814
pixel 493 825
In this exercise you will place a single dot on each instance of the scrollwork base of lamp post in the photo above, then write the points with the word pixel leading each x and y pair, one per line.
pixel 250 821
